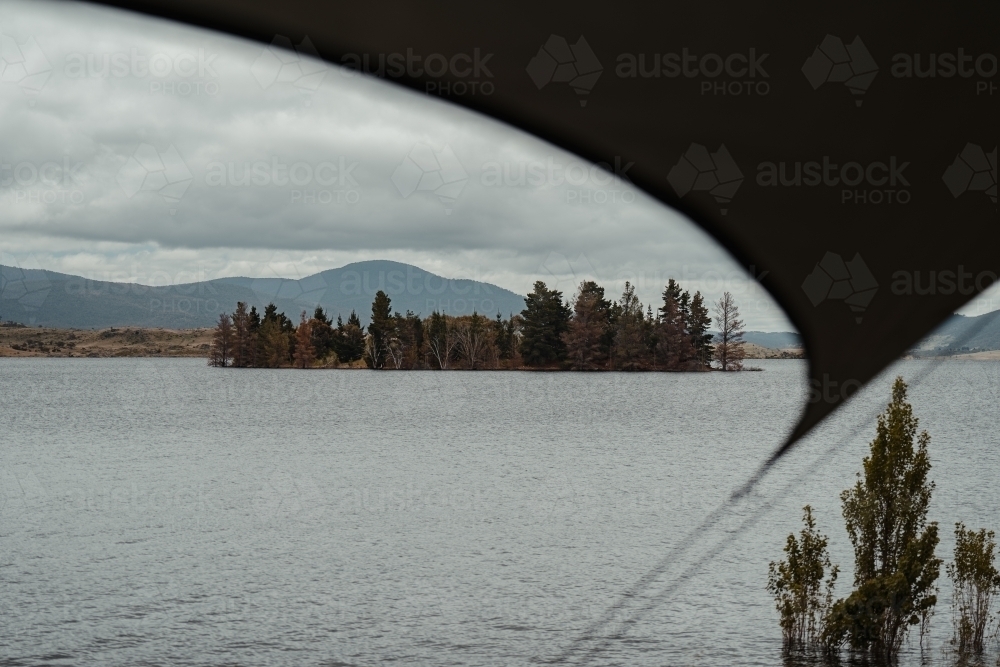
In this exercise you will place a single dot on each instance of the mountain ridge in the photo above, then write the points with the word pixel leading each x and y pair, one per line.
pixel 54 299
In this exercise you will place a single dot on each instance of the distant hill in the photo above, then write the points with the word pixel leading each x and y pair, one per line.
pixel 52 299
pixel 960 333
pixel 773 339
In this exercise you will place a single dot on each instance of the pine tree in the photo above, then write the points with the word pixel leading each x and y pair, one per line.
pixel 544 320
pixel 379 331
pixel 583 338
pixel 698 323
pixel 414 332
pixel 629 347
pixel 322 333
pixel 504 337
pixel 255 322
pixel 673 344
pixel 349 341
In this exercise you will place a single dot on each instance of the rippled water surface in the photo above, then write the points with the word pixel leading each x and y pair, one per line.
pixel 162 512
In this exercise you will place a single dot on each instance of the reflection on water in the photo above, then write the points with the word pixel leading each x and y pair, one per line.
pixel 920 657
pixel 162 512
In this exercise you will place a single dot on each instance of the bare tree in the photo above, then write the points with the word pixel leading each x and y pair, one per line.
pixel 396 348
pixel 442 348
pixel 729 350
pixel 440 340
pixel 472 336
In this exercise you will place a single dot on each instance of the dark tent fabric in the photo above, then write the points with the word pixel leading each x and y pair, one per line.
pixel 844 153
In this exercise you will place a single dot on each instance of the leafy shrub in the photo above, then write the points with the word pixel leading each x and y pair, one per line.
pixel 976 583
pixel 797 584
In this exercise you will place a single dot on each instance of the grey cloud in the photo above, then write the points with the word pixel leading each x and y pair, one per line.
pixel 347 133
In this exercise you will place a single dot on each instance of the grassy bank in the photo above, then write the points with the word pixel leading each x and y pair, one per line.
pixel 113 342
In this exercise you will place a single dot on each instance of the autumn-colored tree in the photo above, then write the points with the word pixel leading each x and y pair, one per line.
pixel 272 349
pixel 630 351
pixel 583 338
pixel 305 354
pixel 222 342
pixel 242 343
pixel 272 339
pixel 729 351
pixel 607 312
pixel 895 568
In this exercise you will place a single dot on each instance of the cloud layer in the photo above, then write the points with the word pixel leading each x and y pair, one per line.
pixel 135 149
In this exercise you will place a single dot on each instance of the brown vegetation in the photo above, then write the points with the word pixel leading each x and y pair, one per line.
pixel 112 342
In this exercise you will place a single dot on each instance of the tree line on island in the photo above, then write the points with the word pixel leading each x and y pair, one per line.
pixel 588 334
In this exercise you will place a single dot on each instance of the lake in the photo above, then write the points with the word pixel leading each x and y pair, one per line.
pixel 157 511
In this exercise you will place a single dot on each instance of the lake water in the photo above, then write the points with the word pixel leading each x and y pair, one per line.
pixel 157 511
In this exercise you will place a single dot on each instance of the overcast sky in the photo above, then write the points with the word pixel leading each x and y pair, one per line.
pixel 126 143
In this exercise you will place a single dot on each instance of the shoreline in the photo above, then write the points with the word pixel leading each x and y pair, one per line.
pixel 112 342
pixel 124 342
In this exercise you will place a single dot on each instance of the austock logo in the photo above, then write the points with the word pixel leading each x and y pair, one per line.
pixel 559 62
pixel 948 65
pixel 427 170
pixel 148 170
pixel 470 72
pixel 973 170
pixel 873 177
pixel 834 62
pixel 281 62
pixel 23 64
pixel 701 171
pixel 49 182
pixel 733 75
pixel 833 279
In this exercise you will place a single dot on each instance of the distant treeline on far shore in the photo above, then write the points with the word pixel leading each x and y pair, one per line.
pixel 591 333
